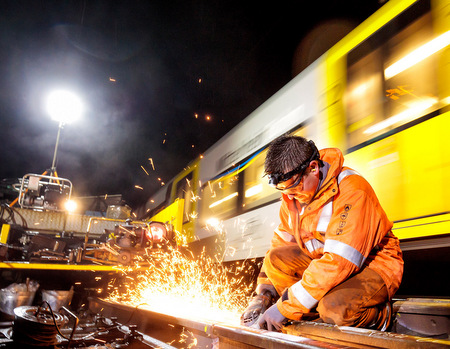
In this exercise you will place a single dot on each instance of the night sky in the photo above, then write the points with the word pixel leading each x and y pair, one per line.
pixel 144 69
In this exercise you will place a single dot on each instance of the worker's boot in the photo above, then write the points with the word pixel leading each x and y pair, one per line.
pixel 257 306
pixel 383 321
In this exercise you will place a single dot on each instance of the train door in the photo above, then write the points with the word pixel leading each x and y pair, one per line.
pixel 185 189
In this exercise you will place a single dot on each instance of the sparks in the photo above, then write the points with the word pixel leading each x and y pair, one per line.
pixel 177 284
pixel 151 163
pixel 138 187
pixel 144 170
pixel 194 198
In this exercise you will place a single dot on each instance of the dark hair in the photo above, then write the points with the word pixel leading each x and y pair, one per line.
pixel 287 153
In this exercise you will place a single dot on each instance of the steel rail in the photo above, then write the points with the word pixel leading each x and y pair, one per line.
pixel 179 332
pixel 188 333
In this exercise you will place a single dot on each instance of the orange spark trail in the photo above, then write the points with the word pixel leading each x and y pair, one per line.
pixel 179 285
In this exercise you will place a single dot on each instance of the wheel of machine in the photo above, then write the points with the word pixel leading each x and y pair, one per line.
pixel 124 257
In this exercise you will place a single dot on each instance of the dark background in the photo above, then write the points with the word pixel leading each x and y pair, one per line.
pixel 156 51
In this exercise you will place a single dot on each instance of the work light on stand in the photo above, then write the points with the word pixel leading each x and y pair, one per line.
pixel 64 107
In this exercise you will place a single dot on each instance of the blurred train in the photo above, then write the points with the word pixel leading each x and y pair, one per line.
pixel 381 95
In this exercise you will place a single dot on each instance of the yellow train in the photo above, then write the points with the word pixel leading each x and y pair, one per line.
pixel 381 94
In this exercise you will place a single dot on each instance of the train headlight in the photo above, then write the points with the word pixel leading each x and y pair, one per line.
pixel 157 232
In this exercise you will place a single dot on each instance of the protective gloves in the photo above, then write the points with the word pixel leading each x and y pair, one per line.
pixel 272 319
pixel 258 305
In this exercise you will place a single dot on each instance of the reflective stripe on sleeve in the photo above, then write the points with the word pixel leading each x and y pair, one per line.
pixel 313 245
pixel 345 251
pixel 303 296
pixel 285 236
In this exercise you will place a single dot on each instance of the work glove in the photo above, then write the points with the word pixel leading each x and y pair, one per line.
pixel 258 305
pixel 272 319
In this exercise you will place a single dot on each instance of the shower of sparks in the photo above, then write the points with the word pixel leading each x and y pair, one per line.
pixel 177 284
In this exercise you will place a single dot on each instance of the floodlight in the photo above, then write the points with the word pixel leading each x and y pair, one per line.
pixel 64 106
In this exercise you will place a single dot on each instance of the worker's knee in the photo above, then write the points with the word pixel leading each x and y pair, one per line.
pixel 273 262
pixel 286 260
pixel 343 312
pixel 333 311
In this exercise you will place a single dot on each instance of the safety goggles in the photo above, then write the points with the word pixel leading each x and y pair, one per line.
pixel 277 178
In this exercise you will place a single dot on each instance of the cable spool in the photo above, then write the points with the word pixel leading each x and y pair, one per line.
pixel 35 326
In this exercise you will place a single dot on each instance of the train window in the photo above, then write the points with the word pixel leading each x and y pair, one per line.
pixel 256 188
pixel 185 191
pixel 257 191
pixel 220 197
pixel 394 83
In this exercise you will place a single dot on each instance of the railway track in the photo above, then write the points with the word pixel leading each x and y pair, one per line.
pixel 165 331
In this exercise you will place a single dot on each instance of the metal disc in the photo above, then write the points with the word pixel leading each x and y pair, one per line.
pixel 44 316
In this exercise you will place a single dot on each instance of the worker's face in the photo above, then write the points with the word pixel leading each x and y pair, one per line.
pixel 306 187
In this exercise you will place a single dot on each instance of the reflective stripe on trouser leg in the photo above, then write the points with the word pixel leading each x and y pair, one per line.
pixel 284 266
pixel 354 302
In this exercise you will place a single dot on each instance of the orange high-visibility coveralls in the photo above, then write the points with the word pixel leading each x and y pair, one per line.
pixel 340 233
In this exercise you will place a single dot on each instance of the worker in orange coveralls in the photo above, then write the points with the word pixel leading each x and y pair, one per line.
pixel 333 254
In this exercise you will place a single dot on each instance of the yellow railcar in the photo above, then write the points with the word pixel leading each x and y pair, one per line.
pixel 381 94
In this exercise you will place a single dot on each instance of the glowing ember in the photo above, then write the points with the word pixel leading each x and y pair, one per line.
pixel 179 285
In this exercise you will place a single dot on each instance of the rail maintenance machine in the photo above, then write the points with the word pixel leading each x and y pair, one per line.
pixel 68 257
